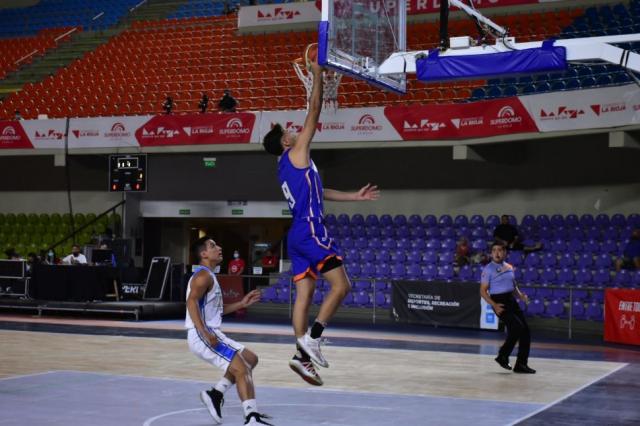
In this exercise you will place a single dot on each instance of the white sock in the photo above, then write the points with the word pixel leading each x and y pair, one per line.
pixel 223 385
pixel 249 406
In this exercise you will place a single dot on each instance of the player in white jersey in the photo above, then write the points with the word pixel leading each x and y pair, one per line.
pixel 204 318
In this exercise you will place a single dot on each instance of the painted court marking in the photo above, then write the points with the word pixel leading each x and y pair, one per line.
pixel 569 395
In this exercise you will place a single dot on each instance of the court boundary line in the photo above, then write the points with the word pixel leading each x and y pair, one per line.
pixel 309 390
pixel 22 376
pixel 569 395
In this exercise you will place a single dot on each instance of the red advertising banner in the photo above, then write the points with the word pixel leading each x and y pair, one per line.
pixel 13 136
pixel 622 316
pixel 232 289
pixel 415 7
pixel 200 129
pixel 461 121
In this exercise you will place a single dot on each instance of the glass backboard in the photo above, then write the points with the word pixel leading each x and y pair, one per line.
pixel 356 36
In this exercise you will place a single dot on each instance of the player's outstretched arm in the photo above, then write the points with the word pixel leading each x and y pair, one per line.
pixel 200 285
pixel 299 153
pixel 366 193
pixel 249 299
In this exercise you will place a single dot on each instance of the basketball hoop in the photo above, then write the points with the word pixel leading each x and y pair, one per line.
pixel 330 83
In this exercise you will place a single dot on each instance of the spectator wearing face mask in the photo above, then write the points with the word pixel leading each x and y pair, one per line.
pixel 237 265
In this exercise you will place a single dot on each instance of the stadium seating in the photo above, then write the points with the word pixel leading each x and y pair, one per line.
pixel 560 271
pixel 18 51
pixel 46 14
pixel 32 233
pixel 197 50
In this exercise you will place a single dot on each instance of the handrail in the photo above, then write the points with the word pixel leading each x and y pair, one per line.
pixel 137 5
pixel 65 34
pixel 99 15
pixel 26 57
pixel 36 50
pixel 74 233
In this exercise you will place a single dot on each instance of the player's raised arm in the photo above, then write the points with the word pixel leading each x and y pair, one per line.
pixel 300 151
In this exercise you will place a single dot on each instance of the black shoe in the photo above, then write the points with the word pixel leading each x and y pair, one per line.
pixel 257 419
pixel 523 368
pixel 504 362
pixel 213 400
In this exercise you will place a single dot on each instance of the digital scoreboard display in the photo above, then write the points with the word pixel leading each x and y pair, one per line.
pixel 128 173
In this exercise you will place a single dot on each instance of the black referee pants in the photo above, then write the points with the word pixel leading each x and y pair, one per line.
pixel 517 328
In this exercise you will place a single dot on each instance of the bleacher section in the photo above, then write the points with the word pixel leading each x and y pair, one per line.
pixel 594 22
pixel 197 50
pixel 578 252
pixel 184 57
pixel 90 15
pixel 32 232
pixel 16 52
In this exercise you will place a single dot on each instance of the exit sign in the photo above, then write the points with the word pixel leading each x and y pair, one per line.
pixel 237 212
pixel 209 162
pixel 184 212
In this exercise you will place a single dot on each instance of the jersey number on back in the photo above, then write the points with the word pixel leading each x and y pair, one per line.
pixel 287 195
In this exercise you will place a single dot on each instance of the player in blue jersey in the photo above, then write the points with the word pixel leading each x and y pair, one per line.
pixel 311 248
pixel 497 288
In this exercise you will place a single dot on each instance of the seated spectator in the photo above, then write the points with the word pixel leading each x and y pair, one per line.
pixel 463 252
pixel 631 255
pixel 18 116
pixel 204 103
pixel 167 106
pixel 508 235
pixel 466 256
pixel 32 260
pixel 11 254
pixel 227 102
pixel 75 258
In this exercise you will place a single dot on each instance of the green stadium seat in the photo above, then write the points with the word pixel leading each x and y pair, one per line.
pixel 66 218
pixel 21 218
pixel 44 218
pixel 91 217
pixel 56 219
pixel 33 219
pixel 2 219
pixel 10 219
pixel 79 219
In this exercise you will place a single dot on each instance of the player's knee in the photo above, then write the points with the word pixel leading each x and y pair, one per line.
pixel 238 368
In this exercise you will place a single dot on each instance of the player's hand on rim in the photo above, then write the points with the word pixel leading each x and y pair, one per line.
pixel 368 193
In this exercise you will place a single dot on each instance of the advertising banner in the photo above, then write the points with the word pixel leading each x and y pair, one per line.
pixel 585 109
pixel 45 134
pixel 278 14
pixel 460 121
pixel 346 125
pixel 622 316
pixel 197 129
pixel 12 136
pixel 101 132
pixel 454 304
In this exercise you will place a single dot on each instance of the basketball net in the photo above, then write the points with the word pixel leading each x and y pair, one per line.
pixel 330 83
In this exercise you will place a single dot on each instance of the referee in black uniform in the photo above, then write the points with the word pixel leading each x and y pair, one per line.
pixel 497 288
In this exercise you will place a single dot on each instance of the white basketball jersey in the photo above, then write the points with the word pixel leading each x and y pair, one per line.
pixel 210 304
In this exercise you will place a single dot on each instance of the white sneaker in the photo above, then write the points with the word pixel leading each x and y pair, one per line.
pixel 312 348
pixel 306 370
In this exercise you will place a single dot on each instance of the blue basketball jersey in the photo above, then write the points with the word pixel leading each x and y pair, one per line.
pixel 302 189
